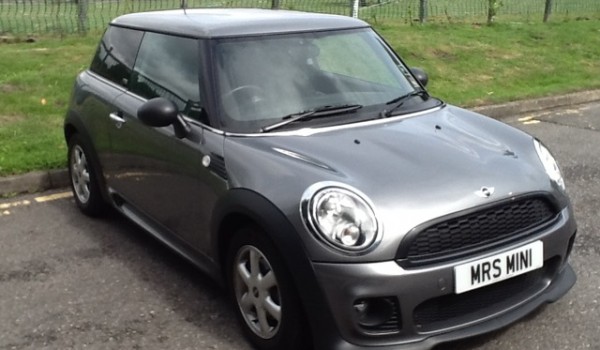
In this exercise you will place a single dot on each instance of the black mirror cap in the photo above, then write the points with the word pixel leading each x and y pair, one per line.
pixel 158 112
pixel 421 76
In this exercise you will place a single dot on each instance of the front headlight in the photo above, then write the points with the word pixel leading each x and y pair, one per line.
pixel 341 217
pixel 549 163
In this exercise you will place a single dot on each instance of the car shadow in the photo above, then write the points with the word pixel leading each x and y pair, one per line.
pixel 188 292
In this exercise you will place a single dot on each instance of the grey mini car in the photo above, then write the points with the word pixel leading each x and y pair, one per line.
pixel 295 158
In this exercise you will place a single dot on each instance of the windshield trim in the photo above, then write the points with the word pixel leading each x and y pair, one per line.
pixel 309 131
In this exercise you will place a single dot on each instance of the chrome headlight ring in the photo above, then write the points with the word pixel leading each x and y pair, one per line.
pixel 550 164
pixel 341 217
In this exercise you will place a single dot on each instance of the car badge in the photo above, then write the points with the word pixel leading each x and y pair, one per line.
pixel 485 192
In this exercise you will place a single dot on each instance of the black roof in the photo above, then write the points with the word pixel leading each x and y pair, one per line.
pixel 234 22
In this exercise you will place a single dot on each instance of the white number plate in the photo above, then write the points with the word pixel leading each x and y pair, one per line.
pixel 499 267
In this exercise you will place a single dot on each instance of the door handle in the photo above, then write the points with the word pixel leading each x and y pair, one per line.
pixel 116 117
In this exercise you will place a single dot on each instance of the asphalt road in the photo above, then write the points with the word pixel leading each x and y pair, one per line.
pixel 70 282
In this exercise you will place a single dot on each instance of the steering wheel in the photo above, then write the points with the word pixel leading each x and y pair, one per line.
pixel 246 94
pixel 247 98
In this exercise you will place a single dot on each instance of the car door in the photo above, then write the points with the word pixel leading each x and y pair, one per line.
pixel 157 174
pixel 106 79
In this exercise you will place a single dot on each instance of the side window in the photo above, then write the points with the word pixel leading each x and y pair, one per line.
pixel 116 53
pixel 168 66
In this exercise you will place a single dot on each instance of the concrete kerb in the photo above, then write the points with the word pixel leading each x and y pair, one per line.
pixel 534 105
pixel 32 182
pixel 45 180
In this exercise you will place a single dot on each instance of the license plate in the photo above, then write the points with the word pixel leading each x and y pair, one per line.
pixel 499 267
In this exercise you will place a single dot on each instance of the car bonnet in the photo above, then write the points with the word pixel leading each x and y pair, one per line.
pixel 412 169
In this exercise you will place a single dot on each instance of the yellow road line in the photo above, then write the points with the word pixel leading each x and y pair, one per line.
pixel 528 120
pixel 525 119
pixel 4 206
pixel 53 197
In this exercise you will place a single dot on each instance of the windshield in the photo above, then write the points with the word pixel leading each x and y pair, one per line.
pixel 264 79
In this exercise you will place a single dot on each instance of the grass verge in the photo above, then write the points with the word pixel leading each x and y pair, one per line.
pixel 35 83
pixel 473 65
pixel 468 65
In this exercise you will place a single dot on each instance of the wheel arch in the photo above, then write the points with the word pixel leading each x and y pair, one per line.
pixel 73 125
pixel 69 131
pixel 242 207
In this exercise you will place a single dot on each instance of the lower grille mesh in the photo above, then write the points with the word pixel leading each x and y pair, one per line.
pixel 455 309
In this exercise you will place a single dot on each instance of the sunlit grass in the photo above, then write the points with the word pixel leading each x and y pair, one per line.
pixel 472 65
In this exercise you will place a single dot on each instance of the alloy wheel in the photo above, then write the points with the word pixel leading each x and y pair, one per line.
pixel 257 292
pixel 80 174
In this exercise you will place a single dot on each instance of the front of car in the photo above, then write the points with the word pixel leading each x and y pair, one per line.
pixel 424 222
pixel 397 215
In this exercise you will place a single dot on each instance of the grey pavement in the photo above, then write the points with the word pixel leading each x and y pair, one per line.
pixel 47 180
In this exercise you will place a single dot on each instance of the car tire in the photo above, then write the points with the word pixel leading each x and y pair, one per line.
pixel 265 299
pixel 82 175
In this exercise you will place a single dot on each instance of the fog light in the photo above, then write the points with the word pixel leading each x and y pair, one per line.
pixel 378 315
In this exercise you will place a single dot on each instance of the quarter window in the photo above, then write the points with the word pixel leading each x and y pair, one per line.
pixel 116 53
pixel 168 66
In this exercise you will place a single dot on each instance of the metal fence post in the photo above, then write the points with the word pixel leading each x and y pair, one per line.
pixel 275 4
pixel 354 8
pixel 423 11
pixel 82 16
pixel 547 10
pixel 491 15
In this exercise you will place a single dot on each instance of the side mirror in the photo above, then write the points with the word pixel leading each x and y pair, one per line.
pixel 421 76
pixel 158 112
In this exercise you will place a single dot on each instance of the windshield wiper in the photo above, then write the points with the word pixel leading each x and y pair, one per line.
pixel 308 115
pixel 399 102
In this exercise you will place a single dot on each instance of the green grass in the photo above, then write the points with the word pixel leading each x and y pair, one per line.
pixel 30 131
pixel 468 65
pixel 473 65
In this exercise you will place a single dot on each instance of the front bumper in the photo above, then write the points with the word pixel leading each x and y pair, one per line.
pixel 426 309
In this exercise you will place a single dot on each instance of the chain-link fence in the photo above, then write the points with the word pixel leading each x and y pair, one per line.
pixel 68 16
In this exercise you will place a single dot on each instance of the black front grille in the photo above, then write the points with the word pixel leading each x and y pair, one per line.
pixel 483 228
pixel 453 309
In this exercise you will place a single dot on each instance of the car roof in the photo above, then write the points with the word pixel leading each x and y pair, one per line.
pixel 208 23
